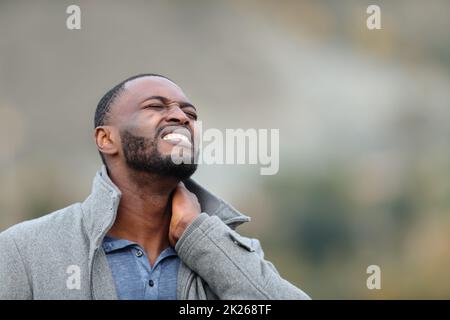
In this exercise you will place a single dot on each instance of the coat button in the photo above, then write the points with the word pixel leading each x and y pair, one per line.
pixel 151 283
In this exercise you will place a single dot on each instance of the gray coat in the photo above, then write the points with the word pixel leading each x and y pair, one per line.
pixel 40 257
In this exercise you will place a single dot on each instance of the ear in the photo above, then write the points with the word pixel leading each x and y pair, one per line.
pixel 106 140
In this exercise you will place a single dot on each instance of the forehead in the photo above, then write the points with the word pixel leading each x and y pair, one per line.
pixel 141 88
pixel 138 90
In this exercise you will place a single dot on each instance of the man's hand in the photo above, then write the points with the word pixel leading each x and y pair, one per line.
pixel 185 208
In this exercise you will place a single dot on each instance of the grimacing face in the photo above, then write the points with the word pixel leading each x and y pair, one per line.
pixel 150 118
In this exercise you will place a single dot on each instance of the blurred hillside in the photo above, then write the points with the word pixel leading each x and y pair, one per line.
pixel 363 118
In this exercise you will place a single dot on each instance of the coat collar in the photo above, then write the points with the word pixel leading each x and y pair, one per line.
pixel 100 208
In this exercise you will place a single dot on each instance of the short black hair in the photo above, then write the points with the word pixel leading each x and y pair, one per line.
pixel 105 103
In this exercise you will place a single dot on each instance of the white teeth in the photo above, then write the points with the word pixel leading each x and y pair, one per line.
pixel 171 136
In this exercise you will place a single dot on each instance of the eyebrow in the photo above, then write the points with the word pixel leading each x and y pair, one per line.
pixel 165 100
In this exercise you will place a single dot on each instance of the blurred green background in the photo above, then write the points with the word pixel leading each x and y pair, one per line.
pixel 363 118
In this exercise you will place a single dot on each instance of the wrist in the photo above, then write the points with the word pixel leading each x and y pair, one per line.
pixel 183 225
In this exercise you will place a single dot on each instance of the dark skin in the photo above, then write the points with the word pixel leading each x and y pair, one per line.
pixel 154 210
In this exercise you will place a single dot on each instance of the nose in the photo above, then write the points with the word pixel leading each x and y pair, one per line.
pixel 175 114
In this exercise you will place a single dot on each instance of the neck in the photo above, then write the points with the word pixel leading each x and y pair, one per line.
pixel 144 211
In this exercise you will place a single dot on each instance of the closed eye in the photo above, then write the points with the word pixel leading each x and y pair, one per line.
pixel 154 106
pixel 192 115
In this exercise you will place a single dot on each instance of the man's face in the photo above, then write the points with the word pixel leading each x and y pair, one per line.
pixel 155 121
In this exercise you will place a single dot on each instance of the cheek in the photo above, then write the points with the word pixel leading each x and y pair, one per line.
pixel 144 127
pixel 197 132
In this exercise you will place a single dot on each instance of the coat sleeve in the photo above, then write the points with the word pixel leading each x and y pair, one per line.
pixel 14 282
pixel 233 266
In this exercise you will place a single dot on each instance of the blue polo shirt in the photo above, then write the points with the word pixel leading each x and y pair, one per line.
pixel 134 278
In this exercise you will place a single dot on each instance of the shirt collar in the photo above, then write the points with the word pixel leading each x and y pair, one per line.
pixel 111 244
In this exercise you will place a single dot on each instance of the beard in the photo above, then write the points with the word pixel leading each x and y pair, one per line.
pixel 141 154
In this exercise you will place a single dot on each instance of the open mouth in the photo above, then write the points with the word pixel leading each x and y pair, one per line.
pixel 177 136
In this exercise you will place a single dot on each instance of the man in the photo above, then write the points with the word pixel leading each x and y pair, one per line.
pixel 147 231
